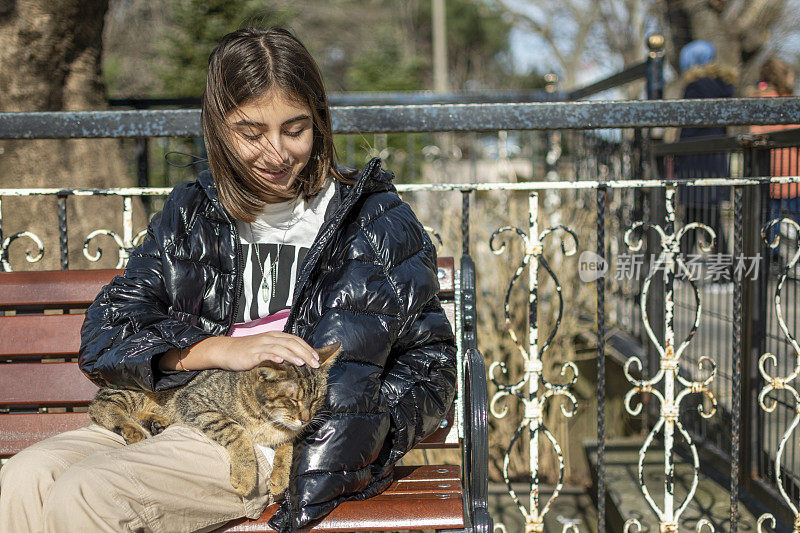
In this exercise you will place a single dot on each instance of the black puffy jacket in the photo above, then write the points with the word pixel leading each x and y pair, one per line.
pixel 369 281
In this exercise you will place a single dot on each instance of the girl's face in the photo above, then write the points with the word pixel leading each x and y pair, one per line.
pixel 273 135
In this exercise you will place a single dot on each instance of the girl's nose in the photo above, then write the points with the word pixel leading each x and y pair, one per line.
pixel 275 150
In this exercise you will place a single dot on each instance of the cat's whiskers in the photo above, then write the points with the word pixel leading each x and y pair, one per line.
pixel 317 420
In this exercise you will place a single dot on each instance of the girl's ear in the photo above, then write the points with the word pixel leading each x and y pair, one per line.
pixel 327 354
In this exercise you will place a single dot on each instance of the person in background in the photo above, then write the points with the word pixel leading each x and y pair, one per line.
pixel 776 78
pixel 704 78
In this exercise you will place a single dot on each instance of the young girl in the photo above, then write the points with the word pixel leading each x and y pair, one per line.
pixel 274 251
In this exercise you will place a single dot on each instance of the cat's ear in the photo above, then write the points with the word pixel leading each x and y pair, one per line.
pixel 327 354
pixel 267 370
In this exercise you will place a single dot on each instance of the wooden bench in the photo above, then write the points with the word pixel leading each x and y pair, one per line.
pixel 43 393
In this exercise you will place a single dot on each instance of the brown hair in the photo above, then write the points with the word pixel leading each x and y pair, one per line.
pixel 779 75
pixel 246 64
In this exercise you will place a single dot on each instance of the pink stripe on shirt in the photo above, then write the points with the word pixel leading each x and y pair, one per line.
pixel 273 322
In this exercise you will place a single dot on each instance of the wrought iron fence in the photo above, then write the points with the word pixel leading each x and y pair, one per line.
pixel 632 201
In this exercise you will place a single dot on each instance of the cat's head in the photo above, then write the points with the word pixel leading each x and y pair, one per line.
pixel 292 395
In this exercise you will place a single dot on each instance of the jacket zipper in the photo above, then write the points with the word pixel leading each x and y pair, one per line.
pixel 316 248
pixel 238 273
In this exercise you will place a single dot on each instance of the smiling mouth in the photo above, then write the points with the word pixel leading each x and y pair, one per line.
pixel 275 176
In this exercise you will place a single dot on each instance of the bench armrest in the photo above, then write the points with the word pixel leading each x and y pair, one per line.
pixel 475 450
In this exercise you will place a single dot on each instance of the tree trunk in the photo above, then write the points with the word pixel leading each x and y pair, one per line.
pixel 50 57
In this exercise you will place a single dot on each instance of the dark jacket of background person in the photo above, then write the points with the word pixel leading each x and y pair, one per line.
pixel 705 81
pixel 369 281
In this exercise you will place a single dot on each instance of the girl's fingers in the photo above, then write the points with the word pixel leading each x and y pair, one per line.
pixel 297 347
pixel 285 353
pixel 301 347
pixel 294 338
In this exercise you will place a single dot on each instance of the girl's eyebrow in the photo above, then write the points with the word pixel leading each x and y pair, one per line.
pixel 245 122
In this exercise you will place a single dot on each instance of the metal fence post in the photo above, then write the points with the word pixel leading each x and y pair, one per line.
pixel 654 76
pixel 143 168
pixel 755 294
pixel 654 73
pixel 63 242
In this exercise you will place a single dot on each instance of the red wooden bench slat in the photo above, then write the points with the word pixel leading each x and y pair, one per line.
pixel 381 513
pixel 447 271
pixel 416 473
pixel 18 431
pixel 54 288
pixel 40 335
pixel 423 497
pixel 44 385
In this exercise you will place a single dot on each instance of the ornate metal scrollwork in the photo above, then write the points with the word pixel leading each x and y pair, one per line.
pixel 123 250
pixel 776 383
pixel 669 371
pixel 28 257
pixel 539 390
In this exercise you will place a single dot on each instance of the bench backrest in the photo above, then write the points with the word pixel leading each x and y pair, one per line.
pixel 42 390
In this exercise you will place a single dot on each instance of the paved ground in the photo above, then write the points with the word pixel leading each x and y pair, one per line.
pixel 573 506
pixel 625 498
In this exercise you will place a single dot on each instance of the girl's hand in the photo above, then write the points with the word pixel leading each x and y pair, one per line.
pixel 245 353
pixel 241 353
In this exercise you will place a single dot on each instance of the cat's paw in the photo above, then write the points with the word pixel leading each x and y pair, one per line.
pixel 243 479
pixel 130 433
pixel 156 424
pixel 278 483
pixel 281 469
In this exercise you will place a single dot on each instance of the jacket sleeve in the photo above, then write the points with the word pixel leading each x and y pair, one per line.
pixel 419 385
pixel 128 326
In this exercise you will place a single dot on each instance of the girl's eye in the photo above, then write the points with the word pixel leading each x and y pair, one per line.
pixel 295 133
pixel 251 137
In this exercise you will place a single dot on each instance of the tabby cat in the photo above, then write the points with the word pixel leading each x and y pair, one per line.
pixel 268 405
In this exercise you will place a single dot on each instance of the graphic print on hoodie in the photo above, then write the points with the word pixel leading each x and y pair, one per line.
pixel 274 246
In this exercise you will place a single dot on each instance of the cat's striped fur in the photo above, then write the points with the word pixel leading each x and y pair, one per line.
pixel 268 405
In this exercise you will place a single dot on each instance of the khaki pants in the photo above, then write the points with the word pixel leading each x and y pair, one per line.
pixel 87 480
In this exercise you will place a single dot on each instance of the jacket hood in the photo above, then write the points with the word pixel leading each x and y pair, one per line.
pixel 712 70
